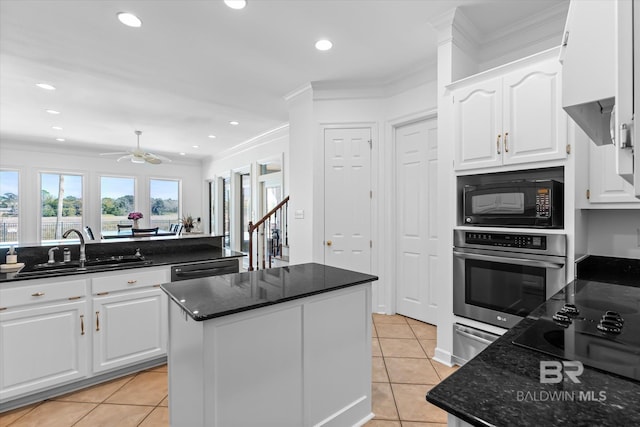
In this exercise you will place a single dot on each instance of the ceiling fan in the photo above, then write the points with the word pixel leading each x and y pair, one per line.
pixel 138 155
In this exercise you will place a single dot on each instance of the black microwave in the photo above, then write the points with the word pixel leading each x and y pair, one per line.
pixel 527 203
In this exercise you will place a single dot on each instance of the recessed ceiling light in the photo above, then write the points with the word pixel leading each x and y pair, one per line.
pixel 195 146
pixel 60 139
pixel 236 4
pixel 56 128
pixel 324 45
pixel 234 123
pixel 129 19
pixel 183 154
pixel 45 86
pixel 212 136
pixel 53 112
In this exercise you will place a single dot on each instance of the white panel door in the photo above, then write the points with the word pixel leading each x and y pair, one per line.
pixel 347 216
pixel 478 125
pixel 534 124
pixel 417 221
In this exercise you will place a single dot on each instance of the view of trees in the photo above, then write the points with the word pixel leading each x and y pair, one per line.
pixel 71 206
pixel 9 204
pixel 118 207
pixel 164 206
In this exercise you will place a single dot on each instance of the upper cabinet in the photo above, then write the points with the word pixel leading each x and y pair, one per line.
pixel 511 119
pixel 598 64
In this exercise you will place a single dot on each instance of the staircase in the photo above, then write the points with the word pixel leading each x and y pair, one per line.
pixel 269 239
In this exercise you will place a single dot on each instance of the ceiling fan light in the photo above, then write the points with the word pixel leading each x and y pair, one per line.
pixel 129 19
pixel 236 4
pixel 137 160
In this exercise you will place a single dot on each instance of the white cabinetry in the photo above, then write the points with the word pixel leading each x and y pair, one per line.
pixel 605 186
pixel 129 318
pixel 510 119
pixel 43 336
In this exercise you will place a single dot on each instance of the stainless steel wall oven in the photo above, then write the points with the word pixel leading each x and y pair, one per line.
pixel 499 277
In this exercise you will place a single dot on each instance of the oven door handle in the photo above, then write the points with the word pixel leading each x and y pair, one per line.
pixel 507 260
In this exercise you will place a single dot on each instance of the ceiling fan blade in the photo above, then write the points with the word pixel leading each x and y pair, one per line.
pixel 153 160
pixel 156 156
pixel 128 156
pixel 115 153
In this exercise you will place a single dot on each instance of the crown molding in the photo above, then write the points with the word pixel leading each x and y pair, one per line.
pixel 297 92
pixel 256 141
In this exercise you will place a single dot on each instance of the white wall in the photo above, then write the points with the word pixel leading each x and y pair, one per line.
pixel 31 159
pixel 614 233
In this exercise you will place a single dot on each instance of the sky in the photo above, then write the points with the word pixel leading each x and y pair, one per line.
pixel 8 182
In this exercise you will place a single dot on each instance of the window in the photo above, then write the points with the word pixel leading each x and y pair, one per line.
pixel 117 195
pixel 226 220
pixel 245 211
pixel 61 197
pixel 9 211
pixel 164 203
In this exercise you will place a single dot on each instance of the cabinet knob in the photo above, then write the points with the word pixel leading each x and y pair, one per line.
pixel 506 145
pixel 329 242
pixel 37 294
pixel 131 282
pixel 498 143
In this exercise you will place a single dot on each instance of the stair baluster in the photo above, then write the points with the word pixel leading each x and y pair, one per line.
pixel 261 236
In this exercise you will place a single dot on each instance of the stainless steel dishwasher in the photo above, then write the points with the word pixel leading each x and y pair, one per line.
pixel 204 269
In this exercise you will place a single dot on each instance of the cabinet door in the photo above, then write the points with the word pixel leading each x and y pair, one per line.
pixel 42 347
pixel 604 184
pixel 534 123
pixel 128 328
pixel 477 125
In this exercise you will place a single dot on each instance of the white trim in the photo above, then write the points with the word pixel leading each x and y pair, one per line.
pixel 297 92
pixel 341 411
pixel 250 143
pixel 443 357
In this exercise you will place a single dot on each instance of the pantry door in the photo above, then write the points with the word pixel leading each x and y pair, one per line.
pixel 347 198
pixel 416 157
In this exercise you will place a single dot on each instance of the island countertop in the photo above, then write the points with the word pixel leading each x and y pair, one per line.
pixel 501 386
pixel 217 296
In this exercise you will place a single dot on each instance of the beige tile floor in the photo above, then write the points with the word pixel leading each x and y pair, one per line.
pixel 403 372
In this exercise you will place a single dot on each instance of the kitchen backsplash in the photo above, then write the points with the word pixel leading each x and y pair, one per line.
pixel 614 233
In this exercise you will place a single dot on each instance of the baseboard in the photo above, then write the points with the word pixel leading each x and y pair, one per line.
pixel 443 357
pixel 364 420
pixel 334 419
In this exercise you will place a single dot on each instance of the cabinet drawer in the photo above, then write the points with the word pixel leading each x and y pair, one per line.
pixel 44 292
pixel 130 279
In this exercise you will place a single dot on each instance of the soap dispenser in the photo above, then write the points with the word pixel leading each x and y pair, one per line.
pixel 12 256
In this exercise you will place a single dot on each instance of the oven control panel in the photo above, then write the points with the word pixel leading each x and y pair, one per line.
pixel 523 241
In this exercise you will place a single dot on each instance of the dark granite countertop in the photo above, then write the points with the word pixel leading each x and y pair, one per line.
pixel 501 386
pixel 217 296
pixel 156 252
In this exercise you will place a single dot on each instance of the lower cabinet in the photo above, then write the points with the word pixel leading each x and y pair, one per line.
pixel 128 327
pixel 42 347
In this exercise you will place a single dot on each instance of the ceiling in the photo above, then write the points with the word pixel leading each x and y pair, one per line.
pixel 194 66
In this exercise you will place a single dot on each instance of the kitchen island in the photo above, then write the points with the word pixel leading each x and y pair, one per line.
pixel 288 346
pixel 503 385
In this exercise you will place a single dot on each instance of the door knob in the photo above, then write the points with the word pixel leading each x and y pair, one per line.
pixel 329 242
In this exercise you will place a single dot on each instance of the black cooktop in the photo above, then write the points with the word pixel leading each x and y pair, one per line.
pixel 594 322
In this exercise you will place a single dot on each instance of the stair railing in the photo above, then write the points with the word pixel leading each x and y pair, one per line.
pixel 270 242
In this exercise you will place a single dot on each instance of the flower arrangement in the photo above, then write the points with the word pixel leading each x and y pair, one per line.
pixel 135 215
pixel 187 222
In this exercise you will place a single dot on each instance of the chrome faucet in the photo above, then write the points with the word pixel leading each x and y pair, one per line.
pixel 52 258
pixel 83 256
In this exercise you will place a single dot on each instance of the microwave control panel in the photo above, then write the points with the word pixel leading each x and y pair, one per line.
pixel 543 202
pixel 523 241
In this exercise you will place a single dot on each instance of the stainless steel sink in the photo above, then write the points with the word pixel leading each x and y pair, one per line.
pixel 92 264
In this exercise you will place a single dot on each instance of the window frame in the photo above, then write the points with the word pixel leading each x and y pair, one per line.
pixel 83 181
pixel 135 193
